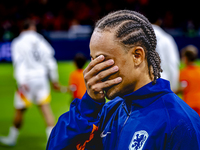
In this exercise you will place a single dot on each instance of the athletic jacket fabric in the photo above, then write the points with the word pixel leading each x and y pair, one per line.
pixel 151 118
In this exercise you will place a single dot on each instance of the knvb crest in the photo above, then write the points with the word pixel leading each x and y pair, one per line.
pixel 138 140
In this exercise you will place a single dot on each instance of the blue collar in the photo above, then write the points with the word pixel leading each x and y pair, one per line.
pixel 147 94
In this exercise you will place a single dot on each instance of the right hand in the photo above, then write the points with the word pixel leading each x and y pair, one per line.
pixel 56 86
pixel 96 71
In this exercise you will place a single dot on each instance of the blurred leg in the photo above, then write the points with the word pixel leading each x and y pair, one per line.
pixel 18 118
pixel 11 139
pixel 43 98
pixel 48 116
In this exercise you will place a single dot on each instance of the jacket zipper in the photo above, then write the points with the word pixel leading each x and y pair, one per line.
pixel 128 115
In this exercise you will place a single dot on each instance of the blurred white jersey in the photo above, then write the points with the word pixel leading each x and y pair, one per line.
pixel 33 57
pixel 169 54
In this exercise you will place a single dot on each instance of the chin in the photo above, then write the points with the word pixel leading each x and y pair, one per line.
pixel 110 97
pixel 111 93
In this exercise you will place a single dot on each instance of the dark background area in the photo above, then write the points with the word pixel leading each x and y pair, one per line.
pixel 58 15
pixel 179 18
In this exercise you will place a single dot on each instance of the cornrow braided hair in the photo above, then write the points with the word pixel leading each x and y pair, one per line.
pixel 133 28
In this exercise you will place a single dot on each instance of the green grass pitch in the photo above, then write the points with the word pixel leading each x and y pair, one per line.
pixel 32 135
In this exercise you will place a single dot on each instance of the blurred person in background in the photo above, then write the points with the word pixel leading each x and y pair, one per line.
pixel 169 54
pixel 76 80
pixel 76 86
pixel 190 78
pixel 34 63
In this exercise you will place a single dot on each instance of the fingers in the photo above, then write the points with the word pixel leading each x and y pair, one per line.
pixel 94 62
pixel 97 89
pixel 102 75
pixel 97 68
pixel 96 74
pixel 99 86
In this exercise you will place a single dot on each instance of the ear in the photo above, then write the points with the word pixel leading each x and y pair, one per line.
pixel 138 54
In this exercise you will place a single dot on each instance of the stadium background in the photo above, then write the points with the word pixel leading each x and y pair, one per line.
pixel 67 25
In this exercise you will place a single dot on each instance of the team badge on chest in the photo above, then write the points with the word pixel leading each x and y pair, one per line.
pixel 138 140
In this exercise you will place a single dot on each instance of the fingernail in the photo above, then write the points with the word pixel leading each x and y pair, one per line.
pixel 101 57
pixel 115 68
pixel 119 79
pixel 111 62
pixel 101 92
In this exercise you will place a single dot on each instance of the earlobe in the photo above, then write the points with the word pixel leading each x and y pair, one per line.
pixel 138 54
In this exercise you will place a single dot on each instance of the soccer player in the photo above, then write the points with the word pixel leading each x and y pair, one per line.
pixel 169 54
pixel 143 112
pixel 189 78
pixel 76 80
pixel 33 62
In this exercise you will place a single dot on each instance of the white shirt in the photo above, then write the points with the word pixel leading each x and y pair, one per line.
pixel 169 54
pixel 33 57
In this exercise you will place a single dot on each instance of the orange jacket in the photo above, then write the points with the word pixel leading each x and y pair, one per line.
pixel 190 79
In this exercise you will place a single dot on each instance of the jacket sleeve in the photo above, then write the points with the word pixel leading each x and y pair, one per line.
pixel 76 127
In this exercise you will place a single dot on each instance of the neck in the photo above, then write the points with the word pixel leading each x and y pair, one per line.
pixel 142 82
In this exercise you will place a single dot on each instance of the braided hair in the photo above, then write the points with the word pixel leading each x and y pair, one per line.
pixel 132 28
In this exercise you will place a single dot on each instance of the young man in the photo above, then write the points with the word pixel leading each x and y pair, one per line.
pixel 33 61
pixel 189 78
pixel 144 113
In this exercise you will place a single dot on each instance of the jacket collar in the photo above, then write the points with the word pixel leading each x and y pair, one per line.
pixel 147 94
